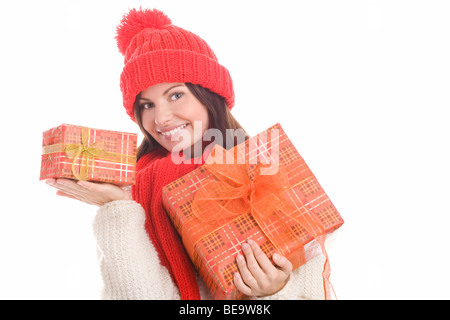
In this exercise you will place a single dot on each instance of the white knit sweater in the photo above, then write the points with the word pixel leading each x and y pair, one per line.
pixel 131 269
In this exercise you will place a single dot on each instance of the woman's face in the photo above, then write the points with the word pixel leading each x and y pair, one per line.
pixel 173 115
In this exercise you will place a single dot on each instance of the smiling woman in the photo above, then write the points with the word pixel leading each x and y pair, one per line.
pixel 174 87
pixel 173 107
pixel 209 110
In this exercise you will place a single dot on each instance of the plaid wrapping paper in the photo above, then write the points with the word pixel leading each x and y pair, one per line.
pixel 216 243
pixel 77 152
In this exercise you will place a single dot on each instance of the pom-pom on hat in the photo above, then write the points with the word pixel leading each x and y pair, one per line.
pixel 157 51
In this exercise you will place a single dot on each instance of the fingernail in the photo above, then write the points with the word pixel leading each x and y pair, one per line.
pixel 276 256
pixel 250 242
pixel 239 258
pixel 49 182
pixel 236 275
pixel 245 246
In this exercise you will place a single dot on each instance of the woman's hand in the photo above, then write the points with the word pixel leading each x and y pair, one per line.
pixel 258 276
pixel 89 192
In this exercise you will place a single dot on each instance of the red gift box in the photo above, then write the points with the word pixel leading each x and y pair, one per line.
pixel 83 153
pixel 267 193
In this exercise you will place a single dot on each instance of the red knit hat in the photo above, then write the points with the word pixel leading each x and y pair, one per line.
pixel 157 51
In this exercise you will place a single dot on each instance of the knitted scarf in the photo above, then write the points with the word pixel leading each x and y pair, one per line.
pixel 153 171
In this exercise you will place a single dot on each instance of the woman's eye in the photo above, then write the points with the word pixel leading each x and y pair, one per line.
pixel 176 96
pixel 147 105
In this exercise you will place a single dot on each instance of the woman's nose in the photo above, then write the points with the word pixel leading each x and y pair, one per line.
pixel 163 115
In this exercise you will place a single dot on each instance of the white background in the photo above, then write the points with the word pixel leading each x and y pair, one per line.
pixel 361 88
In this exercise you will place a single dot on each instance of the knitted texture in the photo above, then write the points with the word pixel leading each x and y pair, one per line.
pixel 153 172
pixel 156 51
pixel 129 263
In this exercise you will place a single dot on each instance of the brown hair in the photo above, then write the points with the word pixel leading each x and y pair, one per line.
pixel 219 116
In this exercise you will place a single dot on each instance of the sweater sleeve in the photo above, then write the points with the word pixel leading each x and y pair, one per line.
pixel 129 263
pixel 305 283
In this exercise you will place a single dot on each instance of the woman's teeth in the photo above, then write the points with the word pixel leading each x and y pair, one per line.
pixel 171 132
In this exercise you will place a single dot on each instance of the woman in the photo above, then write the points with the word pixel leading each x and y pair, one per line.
pixel 175 89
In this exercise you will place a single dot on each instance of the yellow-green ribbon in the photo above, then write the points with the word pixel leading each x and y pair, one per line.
pixel 87 152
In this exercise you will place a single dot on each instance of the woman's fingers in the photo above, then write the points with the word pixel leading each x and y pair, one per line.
pixel 261 258
pixel 91 186
pixel 246 273
pixel 63 194
pixel 253 267
pixel 243 280
pixel 251 260
pixel 284 264
pixel 257 275
pixel 68 187
pixel 89 192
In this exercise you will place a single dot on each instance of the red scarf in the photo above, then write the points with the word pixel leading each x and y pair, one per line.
pixel 153 172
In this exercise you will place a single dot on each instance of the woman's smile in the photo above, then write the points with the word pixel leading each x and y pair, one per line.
pixel 169 132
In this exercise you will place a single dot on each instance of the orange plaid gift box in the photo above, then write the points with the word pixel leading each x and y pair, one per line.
pixel 83 153
pixel 261 189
